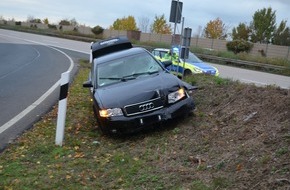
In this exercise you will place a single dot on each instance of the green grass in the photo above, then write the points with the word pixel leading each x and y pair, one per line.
pixel 159 158
pixel 87 160
pixel 282 151
pixel 243 56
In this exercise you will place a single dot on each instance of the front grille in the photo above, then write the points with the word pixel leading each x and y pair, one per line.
pixel 210 72
pixel 144 107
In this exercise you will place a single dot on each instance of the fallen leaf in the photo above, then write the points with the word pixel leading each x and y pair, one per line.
pixel 239 167
pixel 79 155
pixel 193 159
pixel 67 176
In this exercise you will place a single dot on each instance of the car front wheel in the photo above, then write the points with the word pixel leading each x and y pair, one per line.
pixel 187 73
pixel 103 130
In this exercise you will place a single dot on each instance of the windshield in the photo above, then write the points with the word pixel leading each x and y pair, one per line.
pixel 193 58
pixel 167 55
pixel 126 68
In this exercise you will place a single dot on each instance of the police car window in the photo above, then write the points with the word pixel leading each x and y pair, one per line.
pixel 193 58
pixel 162 54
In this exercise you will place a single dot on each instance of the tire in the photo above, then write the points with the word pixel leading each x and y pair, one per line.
pixel 103 130
pixel 187 73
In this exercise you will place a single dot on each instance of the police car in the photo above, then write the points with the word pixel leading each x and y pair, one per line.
pixel 191 65
pixel 131 89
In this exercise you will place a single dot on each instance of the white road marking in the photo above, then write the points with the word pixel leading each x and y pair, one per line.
pixel 50 41
pixel 15 119
pixel 253 81
pixel 20 67
pixel 28 109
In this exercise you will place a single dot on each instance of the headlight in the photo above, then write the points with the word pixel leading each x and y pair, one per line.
pixel 111 112
pixel 175 96
pixel 197 70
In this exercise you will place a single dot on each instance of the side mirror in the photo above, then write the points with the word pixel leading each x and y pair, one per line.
pixel 167 63
pixel 88 84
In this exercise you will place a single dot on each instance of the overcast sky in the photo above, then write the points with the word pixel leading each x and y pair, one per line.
pixel 196 13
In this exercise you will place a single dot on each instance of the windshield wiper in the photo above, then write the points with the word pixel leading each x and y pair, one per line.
pixel 129 77
pixel 123 79
pixel 135 75
pixel 145 73
pixel 111 78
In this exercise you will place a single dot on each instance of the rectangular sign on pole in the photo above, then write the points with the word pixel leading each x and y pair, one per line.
pixel 186 37
pixel 175 12
pixel 184 53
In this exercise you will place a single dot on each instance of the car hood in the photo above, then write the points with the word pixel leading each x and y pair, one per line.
pixel 203 66
pixel 138 90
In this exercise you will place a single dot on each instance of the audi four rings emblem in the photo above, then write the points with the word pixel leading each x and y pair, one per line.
pixel 145 107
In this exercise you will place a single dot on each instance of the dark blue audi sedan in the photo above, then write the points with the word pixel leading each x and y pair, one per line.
pixel 131 89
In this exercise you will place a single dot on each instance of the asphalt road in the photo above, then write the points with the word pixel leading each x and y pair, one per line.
pixel 243 75
pixel 29 81
pixel 31 66
pixel 253 77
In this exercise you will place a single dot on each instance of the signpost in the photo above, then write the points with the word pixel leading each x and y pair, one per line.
pixel 186 38
pixel 175 16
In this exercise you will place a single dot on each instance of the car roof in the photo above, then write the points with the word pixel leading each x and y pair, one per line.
pixel 161 49
pixel 110 45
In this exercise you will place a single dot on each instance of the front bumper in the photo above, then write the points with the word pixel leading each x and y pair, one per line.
pixel 130 124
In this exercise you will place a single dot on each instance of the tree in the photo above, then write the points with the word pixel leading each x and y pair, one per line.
pixel 263 25
pixel 126 23
pixel 239 45
pixel 130 23
pixel 45 21
pixel 144 23
pixel 160 25
pixel 281 35
pixel 242 32
pixel 73 22
pixel 97 30
pixel 64 22
pixel 117 25
pixel 31 19
pixel 215 29
pixel 2 18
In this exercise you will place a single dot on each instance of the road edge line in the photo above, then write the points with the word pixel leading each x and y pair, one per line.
pixel 16 118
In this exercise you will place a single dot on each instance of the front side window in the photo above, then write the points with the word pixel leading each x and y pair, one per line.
pixel 126 68
pixel 160 54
